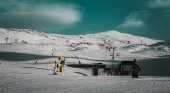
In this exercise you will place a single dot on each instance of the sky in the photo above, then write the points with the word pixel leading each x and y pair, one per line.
pixel 147 18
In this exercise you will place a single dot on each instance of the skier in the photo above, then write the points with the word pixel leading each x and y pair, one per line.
pixel 55 68
pixel 62 63
pixel 135 69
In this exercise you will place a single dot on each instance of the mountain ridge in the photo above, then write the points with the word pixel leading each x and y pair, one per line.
pixel 98 46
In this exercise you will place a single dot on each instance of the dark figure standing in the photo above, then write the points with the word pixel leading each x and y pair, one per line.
pixel 135 69
pixel 55 68
pixel 35 62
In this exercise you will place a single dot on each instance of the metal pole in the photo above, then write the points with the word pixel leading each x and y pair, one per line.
pixel 76 58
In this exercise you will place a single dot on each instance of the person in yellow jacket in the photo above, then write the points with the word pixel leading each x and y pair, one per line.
pixel 62 63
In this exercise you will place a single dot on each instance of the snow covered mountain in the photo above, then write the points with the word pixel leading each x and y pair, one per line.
pixel 97 46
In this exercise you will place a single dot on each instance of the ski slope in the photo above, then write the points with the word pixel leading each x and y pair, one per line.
pixel 20 48
pixel 26 77
pixel 97 46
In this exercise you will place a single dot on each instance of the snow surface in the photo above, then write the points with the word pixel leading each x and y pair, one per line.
pixel 23 76
pixel 27 77
pixel 97 46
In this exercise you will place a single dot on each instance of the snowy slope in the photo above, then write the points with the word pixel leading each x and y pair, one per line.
pixel 25 76
pixel 34 37
pixel 97 46
pixel 30 78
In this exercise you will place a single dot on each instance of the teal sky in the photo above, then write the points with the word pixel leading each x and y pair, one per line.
pixel 148 18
